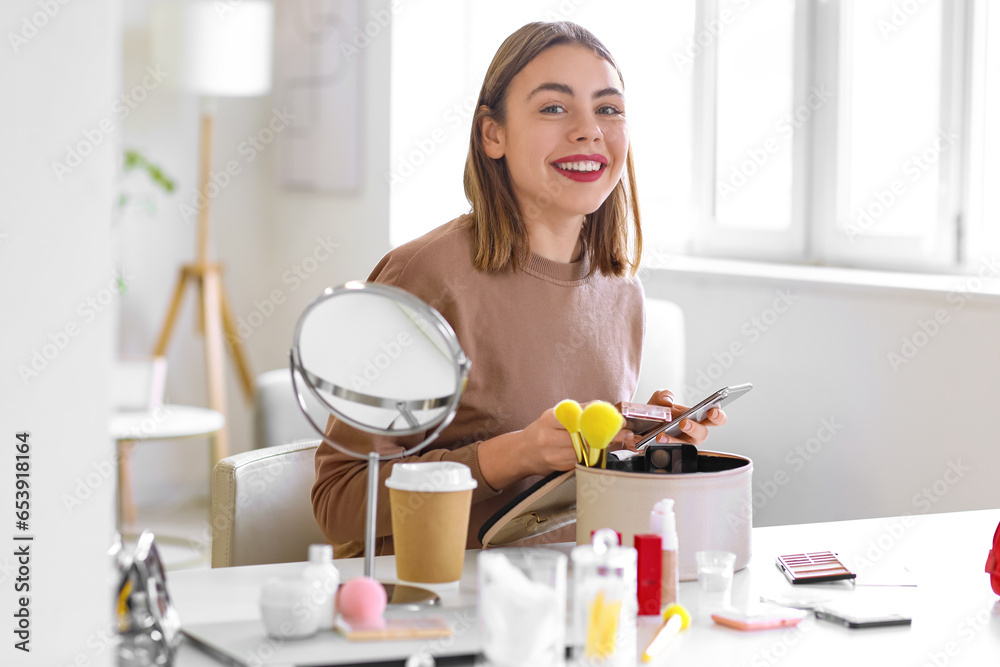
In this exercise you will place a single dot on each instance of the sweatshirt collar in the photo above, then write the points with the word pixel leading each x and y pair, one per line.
pixel 560 273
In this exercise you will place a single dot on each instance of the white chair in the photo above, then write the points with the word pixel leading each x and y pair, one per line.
pixel 277 417
pixel 261 509
pixel 662 352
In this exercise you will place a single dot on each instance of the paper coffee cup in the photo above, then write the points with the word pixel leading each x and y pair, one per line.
pixel 430 505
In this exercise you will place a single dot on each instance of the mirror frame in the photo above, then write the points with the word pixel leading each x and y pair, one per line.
pixel 450 403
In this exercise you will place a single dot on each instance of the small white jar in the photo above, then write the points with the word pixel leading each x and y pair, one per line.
pixel 288 608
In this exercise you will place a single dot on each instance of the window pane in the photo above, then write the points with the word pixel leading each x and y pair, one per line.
pixel 891 79
pixel 989 176
pixel 754 122
pixel 652 54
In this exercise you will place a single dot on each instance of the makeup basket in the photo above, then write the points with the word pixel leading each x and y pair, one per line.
pixel 713 506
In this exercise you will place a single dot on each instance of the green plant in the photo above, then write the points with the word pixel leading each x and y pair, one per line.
pixel 133 160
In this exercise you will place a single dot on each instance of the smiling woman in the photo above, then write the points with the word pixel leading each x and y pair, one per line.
pixel 551 111
pixel 536 281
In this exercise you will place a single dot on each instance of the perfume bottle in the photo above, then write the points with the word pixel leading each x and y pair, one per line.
pixel 148 625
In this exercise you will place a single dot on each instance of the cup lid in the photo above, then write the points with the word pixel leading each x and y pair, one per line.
pixel 432 476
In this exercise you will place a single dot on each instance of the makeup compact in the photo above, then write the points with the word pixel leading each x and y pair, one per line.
pixel 641 418
pixel 815 567
pixel 626 460
pixel 672 457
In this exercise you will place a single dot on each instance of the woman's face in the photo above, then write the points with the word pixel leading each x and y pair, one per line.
pixel 566 137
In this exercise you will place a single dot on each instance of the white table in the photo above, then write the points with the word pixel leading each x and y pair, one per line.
pixel 164 422
pixel 956 616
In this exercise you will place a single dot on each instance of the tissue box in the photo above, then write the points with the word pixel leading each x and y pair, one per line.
pixel 714 507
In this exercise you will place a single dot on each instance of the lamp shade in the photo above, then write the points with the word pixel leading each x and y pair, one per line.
pixel 214 48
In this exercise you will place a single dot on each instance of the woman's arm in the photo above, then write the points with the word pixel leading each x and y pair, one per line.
pixel 542 447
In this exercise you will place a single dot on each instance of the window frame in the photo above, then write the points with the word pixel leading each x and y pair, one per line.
pixel 819 202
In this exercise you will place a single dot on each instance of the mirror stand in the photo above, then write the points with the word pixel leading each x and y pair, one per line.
pixel 396 594
pixel 373 461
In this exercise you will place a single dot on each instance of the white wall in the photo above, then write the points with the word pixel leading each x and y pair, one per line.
pixel 58 86
pixel 260 233
pixel 836 428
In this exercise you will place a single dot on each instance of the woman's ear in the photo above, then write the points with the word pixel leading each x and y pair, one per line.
pixel 493 136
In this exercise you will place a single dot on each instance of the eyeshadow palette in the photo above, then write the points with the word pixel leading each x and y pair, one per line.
pixel 813 568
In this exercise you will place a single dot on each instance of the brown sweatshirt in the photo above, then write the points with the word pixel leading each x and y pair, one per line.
pixel 535 336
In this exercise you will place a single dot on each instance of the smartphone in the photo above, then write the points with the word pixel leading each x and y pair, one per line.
pixel 860 618
pixel 698 413
pixel 763 617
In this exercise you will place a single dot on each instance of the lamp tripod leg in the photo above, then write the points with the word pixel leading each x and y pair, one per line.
pixel 236 345
pixel 214 358
pixel 175 306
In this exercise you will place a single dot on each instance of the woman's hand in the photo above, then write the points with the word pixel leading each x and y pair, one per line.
pixel 694 432
pixel 546 446
pixel 542 447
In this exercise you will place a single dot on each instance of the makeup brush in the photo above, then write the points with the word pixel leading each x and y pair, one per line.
pixel 568 414
pixel 600 423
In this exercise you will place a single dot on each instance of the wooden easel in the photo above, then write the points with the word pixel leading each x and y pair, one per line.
pixel 215 312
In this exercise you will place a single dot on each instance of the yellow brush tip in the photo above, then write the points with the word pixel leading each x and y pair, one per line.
pixel 678 610
pixel 568 414
pixel 600 423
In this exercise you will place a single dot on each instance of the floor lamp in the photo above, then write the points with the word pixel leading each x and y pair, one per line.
pixel 213 50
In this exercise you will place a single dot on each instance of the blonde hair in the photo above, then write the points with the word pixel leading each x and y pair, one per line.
pixel 501 238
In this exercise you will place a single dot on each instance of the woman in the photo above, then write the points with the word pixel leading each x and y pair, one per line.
pixel 537 281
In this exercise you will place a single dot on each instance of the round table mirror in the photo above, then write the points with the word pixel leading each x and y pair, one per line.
pixel 382 362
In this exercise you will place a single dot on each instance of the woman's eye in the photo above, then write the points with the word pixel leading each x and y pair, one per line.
pixel 553 108
pixel 608 110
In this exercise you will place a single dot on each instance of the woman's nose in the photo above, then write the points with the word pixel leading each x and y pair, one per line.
pixel 587 130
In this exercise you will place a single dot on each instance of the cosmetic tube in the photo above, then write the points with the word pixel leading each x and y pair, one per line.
pixel 663 522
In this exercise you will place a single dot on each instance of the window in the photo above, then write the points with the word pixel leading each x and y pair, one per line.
pixel 753 136
pixel 847 132
pixel 747 135
pixel 981 235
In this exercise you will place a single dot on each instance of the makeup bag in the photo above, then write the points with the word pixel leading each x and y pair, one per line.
pixel 713 507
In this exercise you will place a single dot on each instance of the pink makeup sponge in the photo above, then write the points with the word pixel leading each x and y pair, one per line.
pixel 362 599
